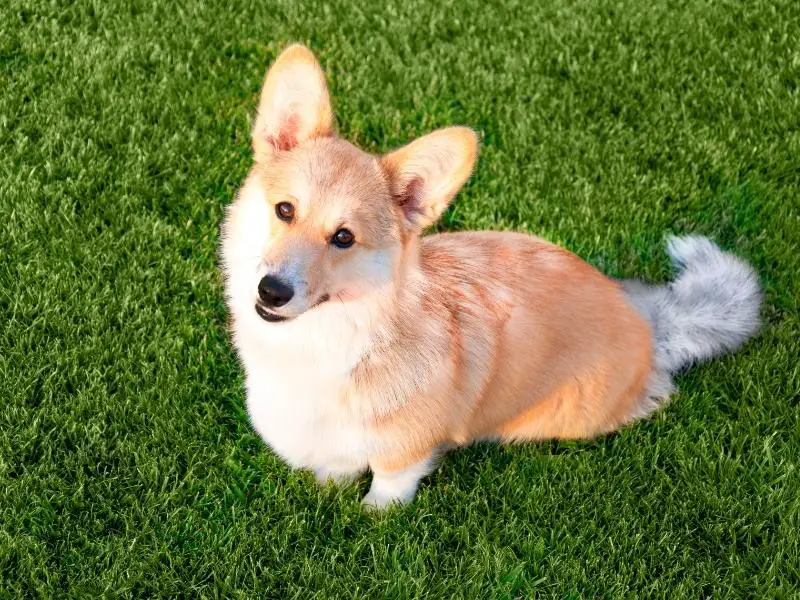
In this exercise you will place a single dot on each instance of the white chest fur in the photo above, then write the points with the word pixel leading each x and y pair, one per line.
pixel 296 376
pixel 301 417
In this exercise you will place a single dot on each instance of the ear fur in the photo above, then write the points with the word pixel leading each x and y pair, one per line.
pixel 295 105
pixel 426 174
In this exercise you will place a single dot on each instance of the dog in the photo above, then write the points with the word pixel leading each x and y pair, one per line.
pixel 367 346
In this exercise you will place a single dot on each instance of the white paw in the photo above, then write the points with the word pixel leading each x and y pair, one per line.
pixel 376 500
pixel 373 501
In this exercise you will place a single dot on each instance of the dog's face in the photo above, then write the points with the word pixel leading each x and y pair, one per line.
pixel 319 220
pixel 320 226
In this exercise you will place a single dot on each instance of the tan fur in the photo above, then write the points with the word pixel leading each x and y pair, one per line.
pixel 463 336
pixel 530 342
pixel 294 89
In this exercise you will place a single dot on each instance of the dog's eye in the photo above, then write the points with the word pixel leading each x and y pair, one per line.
pixel 284 211
pixel 343 238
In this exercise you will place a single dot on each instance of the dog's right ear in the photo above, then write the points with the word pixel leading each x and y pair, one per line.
pixel 295 105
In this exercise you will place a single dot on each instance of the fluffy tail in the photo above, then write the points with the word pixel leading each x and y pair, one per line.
pixel 711 307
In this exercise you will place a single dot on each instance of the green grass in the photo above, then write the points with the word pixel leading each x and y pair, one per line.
pixel 127 464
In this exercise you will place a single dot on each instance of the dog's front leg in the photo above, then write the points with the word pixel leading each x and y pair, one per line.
pixel 392 485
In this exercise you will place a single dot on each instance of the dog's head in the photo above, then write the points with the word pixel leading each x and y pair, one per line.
pixel 318 219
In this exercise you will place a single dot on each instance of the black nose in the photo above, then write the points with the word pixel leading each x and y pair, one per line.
pixel 273 292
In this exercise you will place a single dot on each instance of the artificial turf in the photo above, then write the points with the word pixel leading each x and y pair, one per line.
pixel 128 467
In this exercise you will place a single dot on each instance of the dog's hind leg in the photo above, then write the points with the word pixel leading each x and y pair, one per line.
pixel 397 486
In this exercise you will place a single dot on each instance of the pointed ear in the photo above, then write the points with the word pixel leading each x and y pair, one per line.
pixel 294 106
pixel 427 173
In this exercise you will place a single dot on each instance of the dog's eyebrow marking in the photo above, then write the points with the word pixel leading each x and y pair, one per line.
pixel 343 225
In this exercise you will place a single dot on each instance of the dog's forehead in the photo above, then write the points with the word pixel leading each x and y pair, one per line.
pixel 336 182
pixel 333 167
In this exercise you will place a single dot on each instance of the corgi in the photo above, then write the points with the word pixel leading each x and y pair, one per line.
pixel 367 346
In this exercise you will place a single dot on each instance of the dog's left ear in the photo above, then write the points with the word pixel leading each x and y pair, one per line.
pixel 426 174
pixel 295 105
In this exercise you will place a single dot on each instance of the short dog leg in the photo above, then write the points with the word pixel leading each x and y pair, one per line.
pixel 397 486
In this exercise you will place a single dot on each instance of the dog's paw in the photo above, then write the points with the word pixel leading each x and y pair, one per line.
pixel 374 500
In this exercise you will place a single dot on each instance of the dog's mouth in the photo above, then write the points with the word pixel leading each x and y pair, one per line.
pixel 271 317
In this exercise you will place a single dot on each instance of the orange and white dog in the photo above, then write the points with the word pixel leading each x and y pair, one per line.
pixel 369 347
